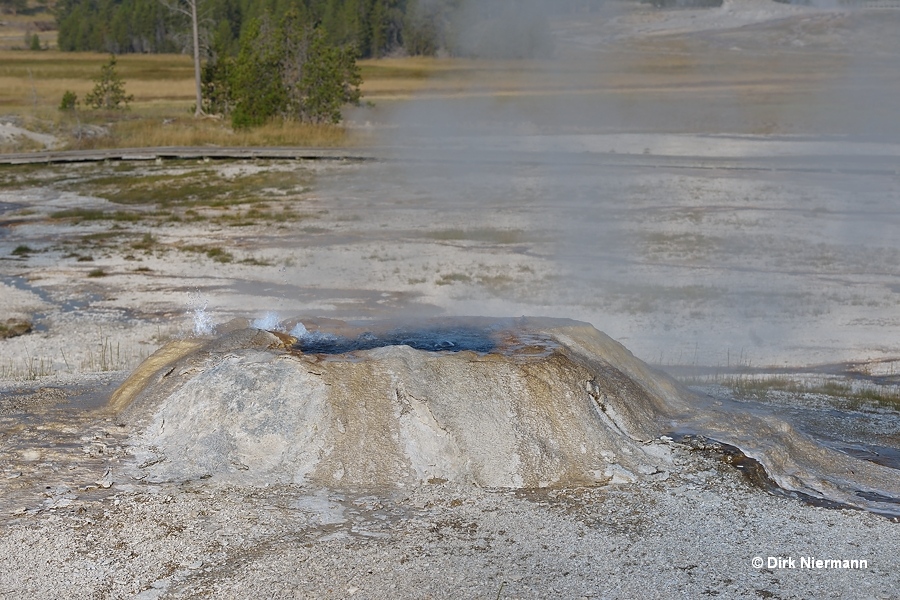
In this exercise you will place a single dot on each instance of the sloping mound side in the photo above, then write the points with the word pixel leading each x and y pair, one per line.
pixel 793 460
pixel 566 406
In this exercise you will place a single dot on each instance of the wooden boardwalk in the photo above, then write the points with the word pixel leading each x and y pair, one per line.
pixel 185 153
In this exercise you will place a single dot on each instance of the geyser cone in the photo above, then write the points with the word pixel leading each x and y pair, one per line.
pixel 499 403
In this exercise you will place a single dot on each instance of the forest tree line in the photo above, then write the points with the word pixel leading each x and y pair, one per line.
pixel 373 28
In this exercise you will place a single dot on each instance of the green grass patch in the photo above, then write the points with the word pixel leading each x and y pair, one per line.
pixel 192 188
pixel 93 241
pixel 254 216
pixel 258 262
pixel 79 215
pixel 213 252
pixel 220 255
pixel 102 236
pixel 854 392
pixel 495 282
pixel 147 242
pixel 451 278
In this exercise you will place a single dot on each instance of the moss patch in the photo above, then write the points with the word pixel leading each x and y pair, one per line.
pixel 14 327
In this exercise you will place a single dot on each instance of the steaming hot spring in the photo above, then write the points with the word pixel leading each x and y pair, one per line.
pixel 500 403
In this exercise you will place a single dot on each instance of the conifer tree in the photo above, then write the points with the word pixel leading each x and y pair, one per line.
pixel 289 71
pixel 109 89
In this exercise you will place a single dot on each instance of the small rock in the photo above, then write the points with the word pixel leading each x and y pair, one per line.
pixel 618 475
pixel 161 584
pixel 31 455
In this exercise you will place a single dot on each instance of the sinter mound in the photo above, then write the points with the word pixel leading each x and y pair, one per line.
pixel 495 402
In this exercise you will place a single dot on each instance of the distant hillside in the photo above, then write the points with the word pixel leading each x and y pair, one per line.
pixel 376 28
pixel 22 20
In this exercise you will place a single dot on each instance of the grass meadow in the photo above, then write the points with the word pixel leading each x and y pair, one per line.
pixel 32 84
pixel 667 85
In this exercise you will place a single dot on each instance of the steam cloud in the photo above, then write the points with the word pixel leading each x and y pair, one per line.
pixel 704 226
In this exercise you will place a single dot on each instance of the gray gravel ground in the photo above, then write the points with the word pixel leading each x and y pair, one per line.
pixel 692 535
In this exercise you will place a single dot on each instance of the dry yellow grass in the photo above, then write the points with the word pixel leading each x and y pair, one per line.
pixel 398 78
pixel 33 83
pixel 188 131
pixel 653 77
pixel 666 67
pixel 38 79
pixel 168 79
pixel 30 80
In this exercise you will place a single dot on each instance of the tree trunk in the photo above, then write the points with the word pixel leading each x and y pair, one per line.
pixel 199 110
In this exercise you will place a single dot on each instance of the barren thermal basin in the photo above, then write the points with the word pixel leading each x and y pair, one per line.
pixel 501 403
